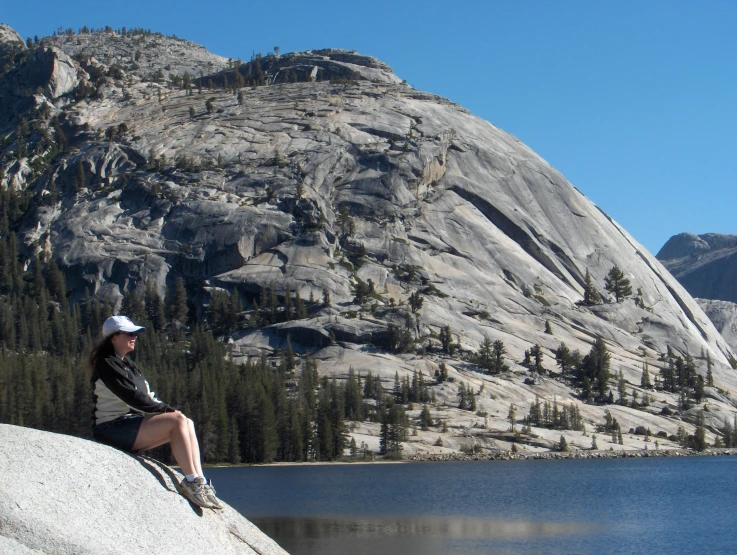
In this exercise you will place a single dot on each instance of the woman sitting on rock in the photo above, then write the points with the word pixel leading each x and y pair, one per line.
pixel 130 417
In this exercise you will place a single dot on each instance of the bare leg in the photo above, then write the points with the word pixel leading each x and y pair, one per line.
pixel 173 427
pixel 196 460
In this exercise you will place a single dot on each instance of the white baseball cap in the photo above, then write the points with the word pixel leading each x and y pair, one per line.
pixel 114 324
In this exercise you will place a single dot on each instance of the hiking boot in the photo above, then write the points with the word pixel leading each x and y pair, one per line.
pixel 194 492
pixel 210 493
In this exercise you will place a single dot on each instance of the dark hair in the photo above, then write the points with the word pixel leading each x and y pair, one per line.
pixel 103 349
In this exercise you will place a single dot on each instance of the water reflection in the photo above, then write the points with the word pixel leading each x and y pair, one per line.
pixel 356 535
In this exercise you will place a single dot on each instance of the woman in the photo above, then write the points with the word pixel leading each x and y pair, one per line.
pixel 130 417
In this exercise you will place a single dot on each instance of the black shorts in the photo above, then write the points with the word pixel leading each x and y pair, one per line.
pixel 121 432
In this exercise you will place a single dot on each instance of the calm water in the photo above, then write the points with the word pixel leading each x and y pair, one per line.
pixel 653 506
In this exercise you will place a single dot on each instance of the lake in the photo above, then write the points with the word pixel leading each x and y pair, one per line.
pixel 609 506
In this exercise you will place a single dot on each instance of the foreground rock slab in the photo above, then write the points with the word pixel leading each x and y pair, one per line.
pixel 65 495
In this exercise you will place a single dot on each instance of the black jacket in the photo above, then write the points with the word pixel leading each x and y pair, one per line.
pixel 120 387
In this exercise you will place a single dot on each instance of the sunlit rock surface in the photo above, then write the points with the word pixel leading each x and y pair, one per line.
pixel 64 495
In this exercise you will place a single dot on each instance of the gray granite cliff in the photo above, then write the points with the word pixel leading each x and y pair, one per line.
pixel 706 265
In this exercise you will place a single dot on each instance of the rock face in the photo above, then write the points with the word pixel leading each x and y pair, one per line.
pixel 723 315
pixel 141 55
pixel 10 43
pixel 706 265
pixel 65 495
pixel 52 70
pixel 330 63
pixel 9 38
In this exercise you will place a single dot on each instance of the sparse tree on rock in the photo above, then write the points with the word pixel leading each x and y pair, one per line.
pixel 485 354
pixel 527 360
pixel 621 389
pixel 498 357
pixel 425 418
pixel 446 340
pixel 442 373
pixel 536 354
pixel 563 358
pixel 709 374
pixel 590 294
pixel 512 417
pixel 645 382
pixel 415 301
pixel 562 444
pixel 698 388
pixel 617 284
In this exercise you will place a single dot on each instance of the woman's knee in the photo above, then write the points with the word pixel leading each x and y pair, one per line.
pixel 178 419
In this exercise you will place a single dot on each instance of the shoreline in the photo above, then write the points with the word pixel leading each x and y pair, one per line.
pixel 507 456
pixel 562 455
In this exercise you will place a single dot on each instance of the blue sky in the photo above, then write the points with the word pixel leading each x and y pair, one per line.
pixel 635 102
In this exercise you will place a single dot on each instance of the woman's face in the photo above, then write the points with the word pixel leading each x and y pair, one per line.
pixel 124 343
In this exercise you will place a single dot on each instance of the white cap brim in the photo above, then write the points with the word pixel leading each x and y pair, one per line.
pixel 132 329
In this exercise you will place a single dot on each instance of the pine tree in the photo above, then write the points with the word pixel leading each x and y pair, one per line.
pixel 446 340
pixel 498 357
pixel 415 301
pixel 536 354
pixel 698 441
pixel 617 284
pixel 425 418
pixel 621 389
pixel 462 397
pixel 485 354
pixel 512 417
pixel 709 374
pixel 645 380
pixel 698 388
pixel 562 444
pixel 527 359
pixel 595 370
pixel 590 294
pixel 178 305
pixel 234 450
pixel 563 358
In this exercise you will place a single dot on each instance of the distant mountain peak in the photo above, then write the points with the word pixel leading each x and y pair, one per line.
pixel 688 244
pixel 10 37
